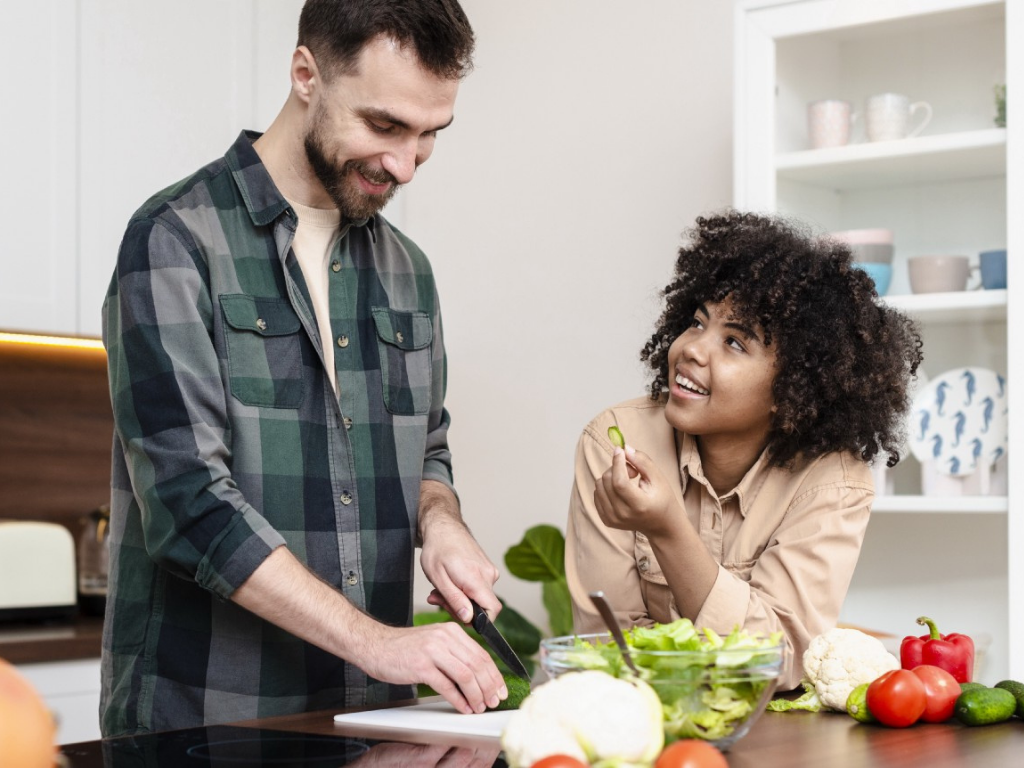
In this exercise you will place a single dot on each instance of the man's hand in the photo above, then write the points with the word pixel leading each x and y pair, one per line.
pixel 441 655
pixel 451 559
pixel 633 495
pixel 284 592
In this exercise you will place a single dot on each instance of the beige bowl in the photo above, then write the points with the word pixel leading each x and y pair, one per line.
pixel 938 274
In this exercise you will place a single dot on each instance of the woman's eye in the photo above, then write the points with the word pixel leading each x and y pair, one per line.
pixel 696 323
pixel 735 343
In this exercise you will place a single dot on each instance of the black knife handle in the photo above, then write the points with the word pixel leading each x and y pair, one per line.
pixel 479 620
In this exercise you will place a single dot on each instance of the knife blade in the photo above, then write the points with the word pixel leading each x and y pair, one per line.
pixel 486 629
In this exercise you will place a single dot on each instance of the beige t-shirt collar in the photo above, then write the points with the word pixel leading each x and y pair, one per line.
pixel 315 235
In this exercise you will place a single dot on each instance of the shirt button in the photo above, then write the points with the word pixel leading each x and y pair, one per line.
pixel 643 564
pixel 399 337
pixel 261 323
pixel 346 498
pixel 347 421
pixel 352 579
pixel 343 341
pixel 336 266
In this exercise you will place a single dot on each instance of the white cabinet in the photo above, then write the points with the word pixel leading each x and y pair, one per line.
pixel 125 98
pixel 71 689
pixel 164 90
pixel 945 191
pixel 38 153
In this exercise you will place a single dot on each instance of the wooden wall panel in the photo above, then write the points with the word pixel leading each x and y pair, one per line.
pixel 56 428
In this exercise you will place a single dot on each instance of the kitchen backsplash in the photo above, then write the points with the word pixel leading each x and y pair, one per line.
pixel 55 433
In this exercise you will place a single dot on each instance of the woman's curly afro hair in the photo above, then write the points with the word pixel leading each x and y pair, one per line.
pixel 844 361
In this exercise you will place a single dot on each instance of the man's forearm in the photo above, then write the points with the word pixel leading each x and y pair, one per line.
pixel 438 507
pixel 284 592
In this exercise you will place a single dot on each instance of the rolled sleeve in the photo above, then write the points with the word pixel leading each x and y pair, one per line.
pixel 170 414
pixel 727 604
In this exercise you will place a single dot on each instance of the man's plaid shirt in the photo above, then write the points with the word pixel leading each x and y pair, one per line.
pixel 230 441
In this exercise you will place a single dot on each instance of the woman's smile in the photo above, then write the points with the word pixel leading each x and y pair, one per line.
pixel 719 355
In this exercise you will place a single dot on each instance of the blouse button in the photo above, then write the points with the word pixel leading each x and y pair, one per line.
pixel 261 323
pixel 352 579
pixel 336 266
pixel 343 341
pixel 399 337
pixel 346 498
pixel 643 564
pixel 347 421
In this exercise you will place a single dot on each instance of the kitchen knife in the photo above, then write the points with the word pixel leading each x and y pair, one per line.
pixel 498 644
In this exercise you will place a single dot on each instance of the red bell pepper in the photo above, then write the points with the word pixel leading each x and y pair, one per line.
pixel 953 653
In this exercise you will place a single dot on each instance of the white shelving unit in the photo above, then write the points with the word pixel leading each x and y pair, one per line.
pixel 924 159
pixel 941 504
pixel 946 191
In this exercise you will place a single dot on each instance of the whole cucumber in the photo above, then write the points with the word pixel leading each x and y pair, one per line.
pixel 985 706
pixel 972 687
pixel 1017 689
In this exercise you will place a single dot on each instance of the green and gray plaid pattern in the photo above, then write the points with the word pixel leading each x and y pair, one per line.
pixel 230 441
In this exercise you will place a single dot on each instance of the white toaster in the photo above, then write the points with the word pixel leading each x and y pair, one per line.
pixel 37 571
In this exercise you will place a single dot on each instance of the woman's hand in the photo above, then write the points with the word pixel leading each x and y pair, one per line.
pixel 633 495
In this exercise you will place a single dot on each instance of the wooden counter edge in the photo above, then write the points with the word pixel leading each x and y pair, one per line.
pixel 82 639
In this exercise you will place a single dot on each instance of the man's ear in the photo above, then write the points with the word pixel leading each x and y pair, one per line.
pixel 304 73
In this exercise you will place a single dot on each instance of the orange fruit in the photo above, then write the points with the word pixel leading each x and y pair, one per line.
pixel 27 730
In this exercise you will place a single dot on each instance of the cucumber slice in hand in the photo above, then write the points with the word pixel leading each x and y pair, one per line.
pixel 616 437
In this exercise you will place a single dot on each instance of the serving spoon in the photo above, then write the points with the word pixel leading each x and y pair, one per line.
pixel 599 601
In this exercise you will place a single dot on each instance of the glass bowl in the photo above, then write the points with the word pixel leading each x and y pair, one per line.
pixel 715 695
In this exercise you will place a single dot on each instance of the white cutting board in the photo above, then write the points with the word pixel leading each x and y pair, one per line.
pixel 430 716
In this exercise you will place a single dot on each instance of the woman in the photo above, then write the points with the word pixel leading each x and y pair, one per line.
pixel 744 490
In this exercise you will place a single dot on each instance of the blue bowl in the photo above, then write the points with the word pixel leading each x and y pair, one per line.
pixel 880 273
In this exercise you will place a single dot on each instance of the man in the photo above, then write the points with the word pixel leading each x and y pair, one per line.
pixel 277 374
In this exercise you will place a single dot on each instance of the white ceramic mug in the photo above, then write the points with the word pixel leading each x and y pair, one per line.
pixel 828 123
pixel 888 117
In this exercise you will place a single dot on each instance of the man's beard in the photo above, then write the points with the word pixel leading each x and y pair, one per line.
pixel 353 203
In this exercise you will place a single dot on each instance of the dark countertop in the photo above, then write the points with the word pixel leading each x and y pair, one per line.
pixel 790 740
pixel 32 643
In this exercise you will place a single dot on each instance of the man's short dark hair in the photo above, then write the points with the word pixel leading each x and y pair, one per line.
pixel 337 30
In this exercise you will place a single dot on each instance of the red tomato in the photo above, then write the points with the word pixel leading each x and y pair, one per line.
pixel 690 753
pixel 559 761
pixel 897 698
pixel 941 691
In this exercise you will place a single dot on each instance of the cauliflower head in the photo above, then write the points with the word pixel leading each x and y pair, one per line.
pixel 839 660
pixel 589 715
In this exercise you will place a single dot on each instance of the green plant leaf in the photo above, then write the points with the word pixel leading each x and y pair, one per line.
pixel 555 595
pixel 431 617
pixel 520 632
pixel 540 556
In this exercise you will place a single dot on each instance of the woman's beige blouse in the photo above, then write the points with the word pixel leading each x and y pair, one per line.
pixel 786 541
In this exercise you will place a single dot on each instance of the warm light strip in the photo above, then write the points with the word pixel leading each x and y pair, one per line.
pixel 50 341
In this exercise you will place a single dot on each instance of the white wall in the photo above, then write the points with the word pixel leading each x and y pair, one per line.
pixel 588 137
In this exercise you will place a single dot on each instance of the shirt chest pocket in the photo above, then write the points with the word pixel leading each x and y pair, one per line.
pixel 403 340
pixel 264 350
pixel 647 564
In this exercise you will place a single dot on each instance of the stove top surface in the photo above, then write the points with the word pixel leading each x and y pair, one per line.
pixel 226 746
